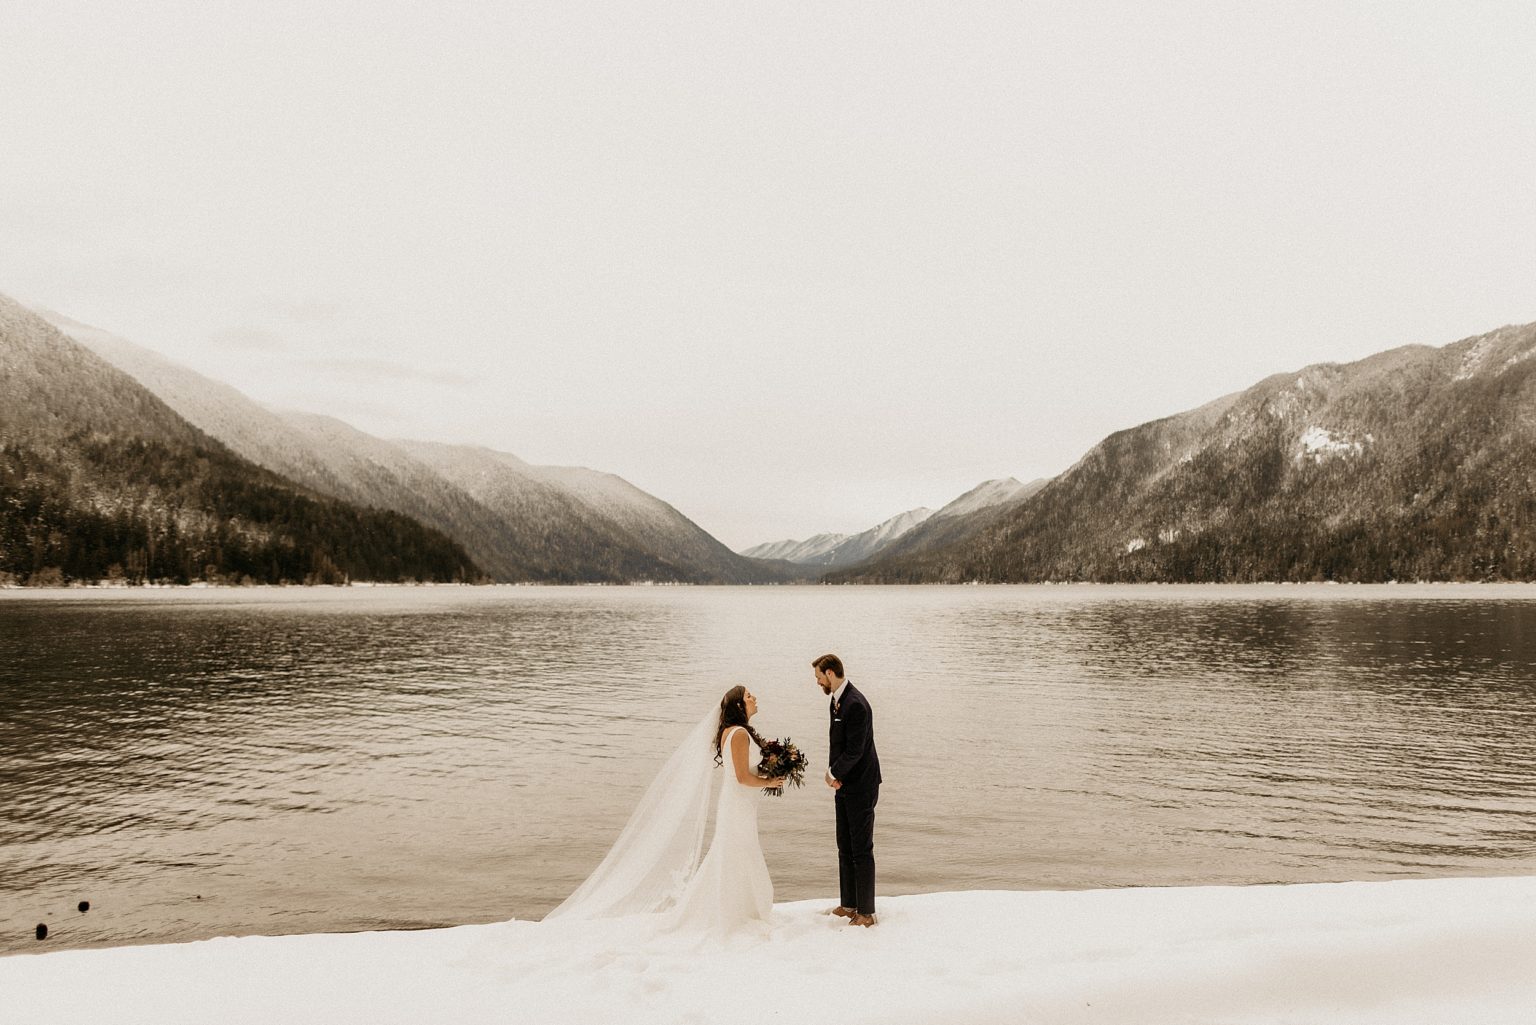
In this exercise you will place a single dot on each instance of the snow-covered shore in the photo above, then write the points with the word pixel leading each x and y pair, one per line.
pixel 1423 951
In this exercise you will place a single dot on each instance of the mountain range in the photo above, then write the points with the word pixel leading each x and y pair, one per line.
pixel 101 479
pixel 829 550
pixel 517 522
pixel 911 530
pixel 1418 463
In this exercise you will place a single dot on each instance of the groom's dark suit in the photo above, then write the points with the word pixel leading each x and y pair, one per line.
pixel 856 765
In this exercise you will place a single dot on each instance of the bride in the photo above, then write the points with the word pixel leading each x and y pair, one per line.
pixel 655 865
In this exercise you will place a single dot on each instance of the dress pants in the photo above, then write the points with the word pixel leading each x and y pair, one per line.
pixel 856 847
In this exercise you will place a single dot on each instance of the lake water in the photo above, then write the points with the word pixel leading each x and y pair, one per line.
pixel 199 763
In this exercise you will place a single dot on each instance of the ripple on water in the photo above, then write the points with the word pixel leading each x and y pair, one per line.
pixel 266 761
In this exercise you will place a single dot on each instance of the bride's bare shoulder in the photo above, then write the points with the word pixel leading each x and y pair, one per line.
pixel 738 738
pixel 739 752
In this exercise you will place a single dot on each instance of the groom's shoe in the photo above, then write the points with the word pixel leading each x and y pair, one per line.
pixel 865 920
pixel 842 912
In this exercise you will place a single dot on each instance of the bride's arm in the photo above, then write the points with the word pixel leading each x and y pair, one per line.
pixel 744 774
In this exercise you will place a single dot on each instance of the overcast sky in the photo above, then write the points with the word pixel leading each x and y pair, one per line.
pixel 792 267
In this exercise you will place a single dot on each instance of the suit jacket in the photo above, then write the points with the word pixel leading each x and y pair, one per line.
pixel 854 761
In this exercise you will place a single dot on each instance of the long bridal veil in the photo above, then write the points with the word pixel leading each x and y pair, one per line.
pixel 663 842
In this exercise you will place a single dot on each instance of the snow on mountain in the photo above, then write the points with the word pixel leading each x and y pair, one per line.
pixel 1320 443
pixel 138 489
pixel 602 526
pixel 519 522
pixel 220 411
pixel 1412 464
pixel 802 552
pixel 861 546
pixel 839 551
pixel 966 515
pixel 831 551
pixel 611 496
pixel 988 494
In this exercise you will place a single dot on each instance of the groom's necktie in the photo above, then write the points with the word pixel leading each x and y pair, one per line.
pixel 832 706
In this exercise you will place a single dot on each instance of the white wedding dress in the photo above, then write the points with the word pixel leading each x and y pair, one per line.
pixel 732 886
pixel 657 867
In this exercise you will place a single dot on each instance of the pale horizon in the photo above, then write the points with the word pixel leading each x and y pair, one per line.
pixel 792 270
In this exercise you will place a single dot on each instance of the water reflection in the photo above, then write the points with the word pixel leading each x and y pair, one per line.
pixel 271 761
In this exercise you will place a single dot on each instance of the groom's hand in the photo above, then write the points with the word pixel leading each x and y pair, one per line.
pixel 833 783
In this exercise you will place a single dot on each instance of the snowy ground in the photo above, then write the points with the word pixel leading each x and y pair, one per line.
pixel 1434 952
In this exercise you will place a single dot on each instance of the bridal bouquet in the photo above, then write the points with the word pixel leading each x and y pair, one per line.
pixel 782 758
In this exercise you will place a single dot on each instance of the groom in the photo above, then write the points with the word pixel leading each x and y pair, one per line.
pixel 854 772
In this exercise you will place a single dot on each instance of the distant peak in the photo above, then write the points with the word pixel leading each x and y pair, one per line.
pixel 990 493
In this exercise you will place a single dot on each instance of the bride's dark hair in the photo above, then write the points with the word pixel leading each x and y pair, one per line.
pixel 733 712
